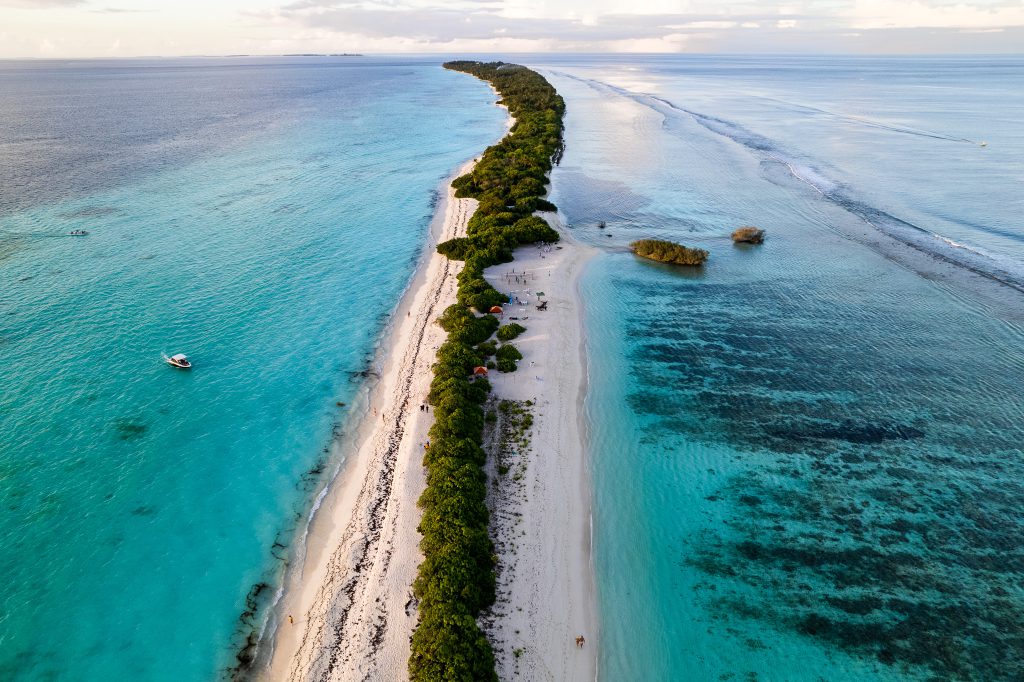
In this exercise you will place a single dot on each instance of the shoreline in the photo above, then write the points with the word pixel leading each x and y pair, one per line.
pixel 542 522
pixel 346 608
pixel 363 535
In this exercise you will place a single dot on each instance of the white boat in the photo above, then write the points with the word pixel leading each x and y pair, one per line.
pixel 179 361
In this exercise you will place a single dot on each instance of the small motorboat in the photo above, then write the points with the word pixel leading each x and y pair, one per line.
pixel 77 233
pixel 179 361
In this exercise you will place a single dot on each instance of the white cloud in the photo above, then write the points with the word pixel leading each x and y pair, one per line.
pixel 89 28
pixel 39 4
pixel 868 14
pixel 703 25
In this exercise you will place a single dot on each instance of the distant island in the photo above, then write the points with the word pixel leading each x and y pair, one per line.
pixel 316 54
pixel 668 252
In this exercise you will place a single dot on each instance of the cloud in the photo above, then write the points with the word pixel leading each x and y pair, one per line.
pixel 88 27
pixel 120 10
pixel 930 14
pixel 444 25
pixel 40 4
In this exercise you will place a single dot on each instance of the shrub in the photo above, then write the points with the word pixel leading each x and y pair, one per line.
pixel 465 327
pixel 506 357
pixel 507 332
pixel 748 235
pixel 669 252
pixel 448 645
pixel 508 352
pixel 507 365
pixel 454 249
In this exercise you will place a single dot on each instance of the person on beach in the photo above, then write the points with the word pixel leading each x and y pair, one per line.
pixel 291 621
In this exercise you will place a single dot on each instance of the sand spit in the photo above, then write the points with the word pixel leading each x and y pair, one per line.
pixel 540 492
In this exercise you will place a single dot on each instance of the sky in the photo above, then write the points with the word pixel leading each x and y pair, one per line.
pixel 129 28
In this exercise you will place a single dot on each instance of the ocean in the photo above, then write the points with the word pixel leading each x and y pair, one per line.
pixel 262 215
pixel 807 456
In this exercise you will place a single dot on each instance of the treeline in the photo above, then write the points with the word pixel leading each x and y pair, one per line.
pixel 509 180
pixel 669 252
pixel 456 579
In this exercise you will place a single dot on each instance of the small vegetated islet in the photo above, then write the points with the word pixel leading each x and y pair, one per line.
pixel 456 579
pixel 748 235
pixel 669 252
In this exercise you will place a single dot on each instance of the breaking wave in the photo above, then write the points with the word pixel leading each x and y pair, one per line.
pixel 920 238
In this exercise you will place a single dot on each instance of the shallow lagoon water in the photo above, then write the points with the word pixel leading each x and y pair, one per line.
pixel 807 455
pixel 261 215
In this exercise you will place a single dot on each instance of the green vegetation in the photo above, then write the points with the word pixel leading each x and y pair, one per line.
pixel 508 180
pixel 456 579
pixel 465 327
pixel 506 357
pixel 669 252
pixel 488 348
pixel 507 332
pixel 748 235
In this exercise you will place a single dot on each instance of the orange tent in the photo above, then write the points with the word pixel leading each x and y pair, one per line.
pixel 479 371
pixel 496 309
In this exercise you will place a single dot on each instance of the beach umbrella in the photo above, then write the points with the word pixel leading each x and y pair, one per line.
pixel 479 371
pixel 496 309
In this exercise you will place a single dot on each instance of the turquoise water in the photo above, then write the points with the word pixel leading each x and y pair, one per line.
pixel 261 215
pixel 807 457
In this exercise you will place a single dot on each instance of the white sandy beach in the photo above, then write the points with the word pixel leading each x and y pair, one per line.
pixel 352 607
pixel 541 517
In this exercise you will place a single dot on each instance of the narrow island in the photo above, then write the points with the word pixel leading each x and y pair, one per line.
pixel 456 580
pixel 668 252
pixel 455 543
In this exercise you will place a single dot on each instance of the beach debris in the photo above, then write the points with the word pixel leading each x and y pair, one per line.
pixel 748 234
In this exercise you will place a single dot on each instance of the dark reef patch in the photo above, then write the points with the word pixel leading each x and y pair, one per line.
pixel 880 505
pixel 130 429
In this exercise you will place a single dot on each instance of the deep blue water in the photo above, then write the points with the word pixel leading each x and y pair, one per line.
pixel 807 456
pixel 262 215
